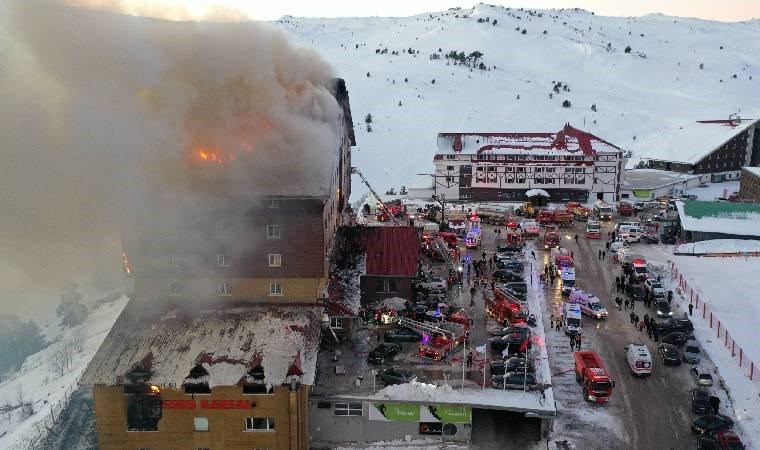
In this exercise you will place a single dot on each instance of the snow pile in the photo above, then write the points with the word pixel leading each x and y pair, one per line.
pixel 416 391
pixel 46 390
pixel 227 344
pixel 719 246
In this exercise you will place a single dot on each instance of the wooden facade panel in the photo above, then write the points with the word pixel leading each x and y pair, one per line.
pixel 256 290
pixel 226 427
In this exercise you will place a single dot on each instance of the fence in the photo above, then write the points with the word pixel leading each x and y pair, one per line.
pixel 35 439
pixel 702 309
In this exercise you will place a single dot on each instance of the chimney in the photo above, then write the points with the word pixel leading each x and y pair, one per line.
pixel 457 142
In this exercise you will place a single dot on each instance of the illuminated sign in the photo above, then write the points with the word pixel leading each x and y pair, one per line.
pixel 207 404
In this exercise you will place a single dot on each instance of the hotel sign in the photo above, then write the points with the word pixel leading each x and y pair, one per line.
pixel 207 404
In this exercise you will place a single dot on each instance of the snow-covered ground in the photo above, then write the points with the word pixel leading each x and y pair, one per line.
pixel 41 386
pixel 658 85
pixel 729 286
pixel 711 191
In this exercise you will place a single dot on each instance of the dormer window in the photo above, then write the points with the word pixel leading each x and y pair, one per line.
pixel 197 381
pixel 254 383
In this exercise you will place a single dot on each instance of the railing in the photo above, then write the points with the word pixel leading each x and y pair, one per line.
pixel 703 309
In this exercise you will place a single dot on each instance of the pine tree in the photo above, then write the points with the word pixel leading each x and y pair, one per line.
pixel 70 310
pixel 368 118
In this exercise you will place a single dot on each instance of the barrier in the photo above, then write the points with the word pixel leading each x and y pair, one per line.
pixel 712 320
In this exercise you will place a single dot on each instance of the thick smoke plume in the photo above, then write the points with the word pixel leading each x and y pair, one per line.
pixel 107 120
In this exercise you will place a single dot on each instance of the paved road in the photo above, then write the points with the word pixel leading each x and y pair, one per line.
pixel 645 413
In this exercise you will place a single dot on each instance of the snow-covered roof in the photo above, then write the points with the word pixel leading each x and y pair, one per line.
pixel 226 343
pixel 421 181
pixel 753 170
pixel 653 178
pixel 689 142
pixel 741 219
pixel 567 141
pixel 719 247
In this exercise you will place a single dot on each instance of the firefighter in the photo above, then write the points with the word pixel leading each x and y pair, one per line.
pixel 670 297
pixel 691 307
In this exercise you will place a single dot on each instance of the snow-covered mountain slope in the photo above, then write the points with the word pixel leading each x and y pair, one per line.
pixel 656 85
pixel 47 378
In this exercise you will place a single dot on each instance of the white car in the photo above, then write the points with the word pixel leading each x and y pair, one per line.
pixel 701 378
pixel 629 238
pixel 655 288
pixel 433 284
pixel 617 245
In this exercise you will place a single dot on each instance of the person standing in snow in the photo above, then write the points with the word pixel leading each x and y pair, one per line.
pixel 670 297
pixel 572 342
pixel 469 360
pixel 691 307
pixel 632 316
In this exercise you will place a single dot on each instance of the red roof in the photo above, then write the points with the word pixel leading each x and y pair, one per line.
pixel 391 251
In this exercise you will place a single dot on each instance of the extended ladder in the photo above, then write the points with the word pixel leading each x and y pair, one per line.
pixel 379 200
pixel 424 327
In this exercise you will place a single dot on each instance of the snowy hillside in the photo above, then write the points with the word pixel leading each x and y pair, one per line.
pixel 656 85
pixel 32 400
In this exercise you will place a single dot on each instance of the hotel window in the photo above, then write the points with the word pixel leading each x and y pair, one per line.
pixel 224 289
pixel 348 409
pixel 273 232
pixel 336 322
pixel 450 179
pixel 273 203
pixel 259 424
pixel 275 288
pixel 386 285
pixel 449 167
pixel 200 423
pixel 222 260
pixel 275 259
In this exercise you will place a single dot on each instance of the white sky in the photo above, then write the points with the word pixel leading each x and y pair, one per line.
pixel 727 10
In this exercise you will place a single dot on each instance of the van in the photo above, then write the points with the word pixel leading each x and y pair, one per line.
pixel 639 359
pixel 590 304
pixel 567 276
pixel 571 318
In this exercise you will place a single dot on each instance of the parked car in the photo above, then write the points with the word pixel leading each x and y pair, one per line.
pixel 518 286
pixel 518 330
pixel 691 352
pixel 728 440
pixel 673 324
pixel 510 341
pixel 513 380
pixel 396 376
pixel 434 284
pixel 711 423
pixel 669 240
pixel 510 264
pixel 701 378
pixel 637 292
pixel 670 354
pixel 675 338
pixel 700 400
pixel 506 276
pixel 663 309
pixel 516 294
pixel 654 286
pixel 402 334
pixel 383 353
pixel 518 364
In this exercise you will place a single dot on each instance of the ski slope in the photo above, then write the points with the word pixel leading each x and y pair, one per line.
pixel 655 87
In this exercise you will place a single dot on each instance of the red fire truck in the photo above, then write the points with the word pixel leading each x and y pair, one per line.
pixel 625 209
pixel 551 240
pixel 545 216
pixel 593 377
pixel 563 258
pixel 514 240
pixel 505 308
pixel 440 340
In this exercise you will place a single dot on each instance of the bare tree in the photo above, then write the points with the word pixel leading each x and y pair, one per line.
pixel 77 339
pixel 60 358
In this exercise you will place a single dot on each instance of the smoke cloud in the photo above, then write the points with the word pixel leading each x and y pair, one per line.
pixel 109 120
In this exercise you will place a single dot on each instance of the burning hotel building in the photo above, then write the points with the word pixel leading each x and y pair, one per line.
pixel 217 347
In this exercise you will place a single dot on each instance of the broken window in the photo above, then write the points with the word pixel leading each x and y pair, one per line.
pixel 197 381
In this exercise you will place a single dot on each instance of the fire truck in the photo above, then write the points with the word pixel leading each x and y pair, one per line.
pixel 438 340
pixel 551 240
pixel 563 259
pixel 505 308
pixel 579 211
pixel 564 218
pixel 514 240
pixel 593 377
pixel 593 229
pixel 394 207
pixel 545 216
pixel 625 209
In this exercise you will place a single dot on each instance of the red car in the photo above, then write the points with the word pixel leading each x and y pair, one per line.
pixel 728 440
pixel 513 224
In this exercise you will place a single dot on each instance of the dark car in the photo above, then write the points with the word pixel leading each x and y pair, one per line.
pixel 516 294
pixel 506 276
pixel 669 240
pixel 402 335
pixel 510 264
pixel 711 424
pixel 700 401
pixel 516 330
pixel 728 440
pixel 675 338
pixel 396 376
pixel 637 292
pixel 691 352
pixel 517 364
pixel 511 342
pixel 513 380
pixel 383 353
pixel 663 309
pixel 517 286
pixel 707 443
pixel 673 324
pixel 670 354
